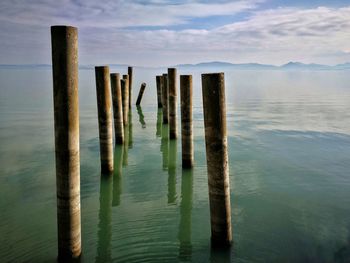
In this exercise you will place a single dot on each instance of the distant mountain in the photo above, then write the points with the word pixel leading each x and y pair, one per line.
pixel 204 66
pixel 298 65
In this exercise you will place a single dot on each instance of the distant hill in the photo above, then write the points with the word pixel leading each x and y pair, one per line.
pixel 204 66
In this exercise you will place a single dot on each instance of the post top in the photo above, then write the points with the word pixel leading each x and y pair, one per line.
pixel 115 74
pixel 101 67
pixel 213 74
pixel 61 27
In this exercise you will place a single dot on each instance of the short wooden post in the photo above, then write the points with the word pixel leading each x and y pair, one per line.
pixel 172 86
pixel 130 73
pixel 64 40
pixel 165 102
pixel 104 107
pixel 117 108
pixel 186 121
pixel 213 91
pixel 125 100
pixel 139 97
pixel 159 82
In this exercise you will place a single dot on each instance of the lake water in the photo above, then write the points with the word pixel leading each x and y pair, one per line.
pixel 289 158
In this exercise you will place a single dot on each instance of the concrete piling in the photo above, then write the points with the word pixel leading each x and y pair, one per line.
pixel 159 82
pixel 64 40
pixel 104 107
pixel 186 121
pixel 117 108
pixel 213 91
pixel 165 99
pixel 172 89
pixel 125 100
pixel 130 74
pixel 142 90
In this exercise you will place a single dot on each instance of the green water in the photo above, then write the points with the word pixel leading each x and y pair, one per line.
pixel 289 156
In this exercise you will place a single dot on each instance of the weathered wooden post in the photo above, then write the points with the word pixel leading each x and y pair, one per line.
pixel 125 100
pixel 165 98
pixel 186 120
pixel 64 40
pixel 172 89
pixel 159 82
pixel 213 90
pixel 117 108
pixel 104 107
pixel 130 71
pixel 139 97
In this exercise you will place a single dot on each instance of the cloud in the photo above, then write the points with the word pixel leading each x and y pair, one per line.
pixel 277 35
pixel 117 14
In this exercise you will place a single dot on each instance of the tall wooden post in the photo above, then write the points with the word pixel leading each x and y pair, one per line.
pixel 64 40
pixel 104 107
pixel 117 108
pixel 186 121
pixel 125 100
pixel 159 82
pixel 213 90
pixel 130 73
pixel 172 86
pixel 165 102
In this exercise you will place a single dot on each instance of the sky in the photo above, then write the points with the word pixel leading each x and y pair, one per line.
pixel 164 32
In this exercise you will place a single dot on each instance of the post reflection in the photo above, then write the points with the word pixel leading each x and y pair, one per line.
pixel 117 177
pixel 220 254
pixel 105 219
pixel 141 116
pixel 172 171
pixel 126 144
pixel 185 227
pixel 164 147
pixel 130 130
pixel 159 122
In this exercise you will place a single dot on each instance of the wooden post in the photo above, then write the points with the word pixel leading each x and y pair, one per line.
pixel 186 121
pixel 130 71
pixel 159 82
pixel 213 91
pixel 165 98
pixel 125 100
pixel 64 40
pixel 104 101
pixel 139 97
pixel 172 86
pixel 117 108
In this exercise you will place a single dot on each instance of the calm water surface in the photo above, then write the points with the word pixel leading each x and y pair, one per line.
pixel 289 151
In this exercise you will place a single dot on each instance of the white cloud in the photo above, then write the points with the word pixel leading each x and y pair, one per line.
pixel 276 36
